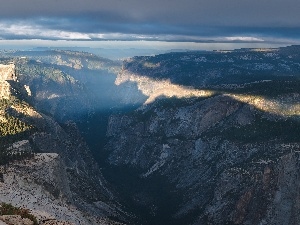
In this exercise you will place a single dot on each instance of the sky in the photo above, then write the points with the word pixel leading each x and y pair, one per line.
pixel 202 21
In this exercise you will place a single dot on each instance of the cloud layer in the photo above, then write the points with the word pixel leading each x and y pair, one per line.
pixel 189 20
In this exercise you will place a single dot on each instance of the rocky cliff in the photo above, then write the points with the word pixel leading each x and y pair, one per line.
pixel 7 74
pixel 228 157
pixel 41 184
pixel 226 160
pixel 57 174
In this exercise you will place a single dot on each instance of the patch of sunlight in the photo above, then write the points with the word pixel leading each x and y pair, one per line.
pixel 151 65
pixel 2 119
pixel 73 63
pixel 281 105
pixel 26 110
pixel 157 88
pixel 13 126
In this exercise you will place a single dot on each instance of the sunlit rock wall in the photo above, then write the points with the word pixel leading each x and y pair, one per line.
pixel 7 73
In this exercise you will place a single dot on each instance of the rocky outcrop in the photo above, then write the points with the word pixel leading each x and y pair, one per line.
pixel 7 73
pixel 42 185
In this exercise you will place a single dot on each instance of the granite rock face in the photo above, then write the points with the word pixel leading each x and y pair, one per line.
pixel 62 178
pixel 219 156
pixel 42 185
pixel 7 73
pixel 217 139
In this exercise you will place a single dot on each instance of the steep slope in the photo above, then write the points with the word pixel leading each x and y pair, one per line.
pixel 228 157
pixel 212 152
pixel 68 180
pixel 7 74
pixel 41 184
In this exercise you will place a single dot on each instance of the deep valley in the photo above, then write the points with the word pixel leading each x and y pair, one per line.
pixel 197 137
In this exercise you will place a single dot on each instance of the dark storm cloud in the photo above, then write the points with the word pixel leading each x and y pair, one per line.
pixel 202 19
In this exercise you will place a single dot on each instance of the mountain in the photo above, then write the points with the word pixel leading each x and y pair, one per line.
pixel 179 138
pixel 217 140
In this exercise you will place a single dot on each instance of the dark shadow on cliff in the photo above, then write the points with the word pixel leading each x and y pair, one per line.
pixel 156 199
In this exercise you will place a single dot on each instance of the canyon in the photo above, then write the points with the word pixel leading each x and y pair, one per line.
pixel 176 138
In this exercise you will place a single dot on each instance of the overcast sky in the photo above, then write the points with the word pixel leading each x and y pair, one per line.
pixel 168 20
